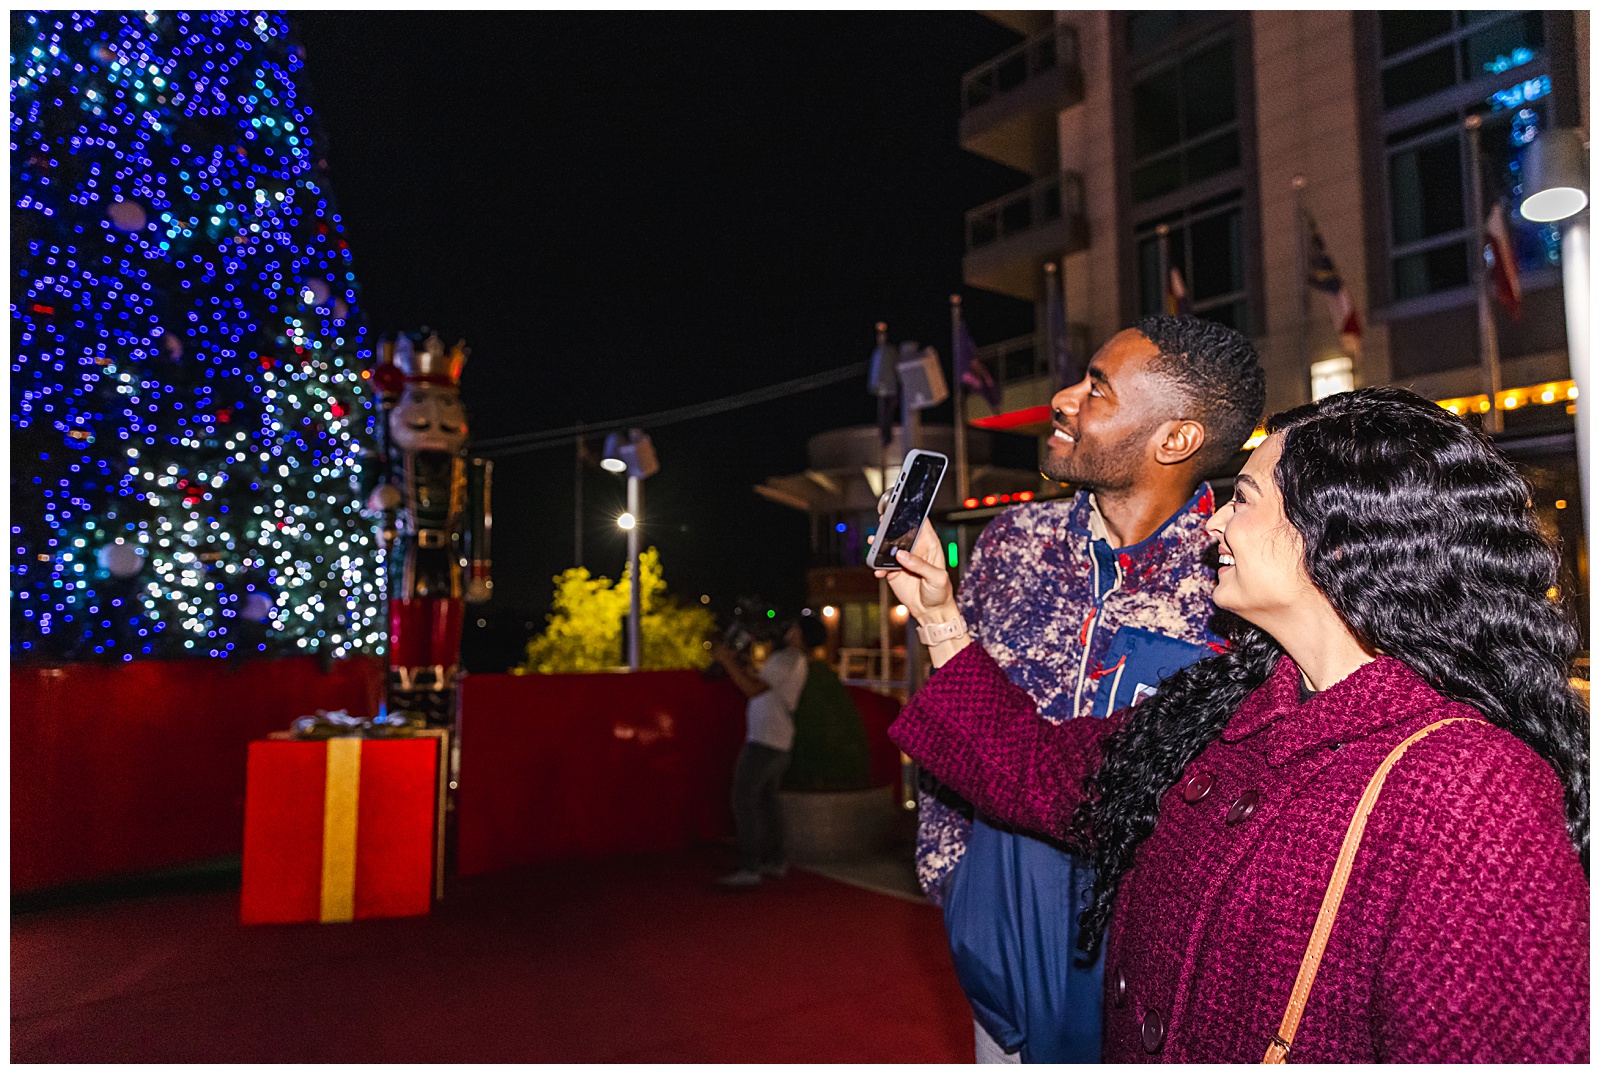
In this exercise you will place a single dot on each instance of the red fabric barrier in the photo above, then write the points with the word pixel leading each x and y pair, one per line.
pixel 137 767
pixel 574 766
pixel 877 713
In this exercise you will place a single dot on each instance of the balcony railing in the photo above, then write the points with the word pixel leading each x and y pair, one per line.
pixel 1040 203
pixel 1016 359
pixel 1047 51
pixel 1026 357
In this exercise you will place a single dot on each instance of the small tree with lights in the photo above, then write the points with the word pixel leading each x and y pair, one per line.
pixel 585 624
pixel 189 420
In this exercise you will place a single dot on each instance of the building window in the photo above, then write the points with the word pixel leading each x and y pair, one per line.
pixel 1436 68
pixel 1186 160
pixel 1205 243
pixel 1185 121
pixel 1428 52
pixel 1150 29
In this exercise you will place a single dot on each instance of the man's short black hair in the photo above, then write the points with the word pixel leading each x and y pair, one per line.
pixel 812 632
pixel 1219 372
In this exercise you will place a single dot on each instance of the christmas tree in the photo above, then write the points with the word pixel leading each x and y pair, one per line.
pixel 188 404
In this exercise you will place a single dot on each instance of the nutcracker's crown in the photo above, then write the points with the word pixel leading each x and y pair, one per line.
pixel 428 362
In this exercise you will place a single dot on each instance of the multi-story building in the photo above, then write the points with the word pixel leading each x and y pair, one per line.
pixel 1208 132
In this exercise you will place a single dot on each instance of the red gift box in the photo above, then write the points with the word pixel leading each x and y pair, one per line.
pixel 341 829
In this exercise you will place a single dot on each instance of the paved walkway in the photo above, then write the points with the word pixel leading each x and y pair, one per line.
pixel 634 960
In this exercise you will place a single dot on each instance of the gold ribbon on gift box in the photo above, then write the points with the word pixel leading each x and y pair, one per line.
pixel 340 799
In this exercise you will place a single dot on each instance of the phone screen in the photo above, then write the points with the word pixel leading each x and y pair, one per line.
pixel 916 500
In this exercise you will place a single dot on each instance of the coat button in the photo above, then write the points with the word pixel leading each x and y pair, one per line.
pixel 1243 808
pixel 1153 1033
pixel 1197 786
pixel 1120 991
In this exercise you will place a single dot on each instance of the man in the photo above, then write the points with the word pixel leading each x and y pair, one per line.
pixel 1087 603
pixel 769 732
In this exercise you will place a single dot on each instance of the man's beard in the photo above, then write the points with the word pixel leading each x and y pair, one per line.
pixel 1100 468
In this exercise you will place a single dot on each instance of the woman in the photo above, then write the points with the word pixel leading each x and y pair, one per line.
pixel 1387 573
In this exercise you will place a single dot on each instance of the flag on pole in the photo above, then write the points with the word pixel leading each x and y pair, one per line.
pixel 1063 363
pixel 1503 262
pixel 1178 301
pixel 1321 275
pixel 969 368
pixel 883 380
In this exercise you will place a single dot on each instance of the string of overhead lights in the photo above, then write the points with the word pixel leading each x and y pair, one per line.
pixel 189 415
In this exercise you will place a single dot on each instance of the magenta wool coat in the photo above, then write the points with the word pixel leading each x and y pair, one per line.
pixel 1464 932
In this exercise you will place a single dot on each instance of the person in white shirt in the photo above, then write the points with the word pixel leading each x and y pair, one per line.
pixel 774 691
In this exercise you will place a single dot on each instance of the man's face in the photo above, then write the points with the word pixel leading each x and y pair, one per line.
pixel 1106 424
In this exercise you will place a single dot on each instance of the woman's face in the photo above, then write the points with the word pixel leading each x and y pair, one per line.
pixel 1262 574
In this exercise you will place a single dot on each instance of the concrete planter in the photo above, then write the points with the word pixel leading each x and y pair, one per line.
pixel 833 826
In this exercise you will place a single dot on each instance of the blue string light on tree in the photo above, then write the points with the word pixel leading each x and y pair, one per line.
pixel 190 416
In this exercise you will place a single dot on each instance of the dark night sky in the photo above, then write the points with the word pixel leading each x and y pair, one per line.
pixel 624 212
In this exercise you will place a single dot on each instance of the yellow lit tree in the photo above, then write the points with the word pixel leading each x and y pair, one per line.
pixel 586 620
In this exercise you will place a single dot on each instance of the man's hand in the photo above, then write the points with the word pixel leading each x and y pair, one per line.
pixel 746 680
pixel 922 583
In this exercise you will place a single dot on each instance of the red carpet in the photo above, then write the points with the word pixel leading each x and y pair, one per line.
pixel 632 960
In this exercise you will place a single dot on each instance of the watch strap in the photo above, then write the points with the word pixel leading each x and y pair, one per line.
pixel 934 633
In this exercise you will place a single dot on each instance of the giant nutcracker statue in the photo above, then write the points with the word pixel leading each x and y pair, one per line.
pixel 435 506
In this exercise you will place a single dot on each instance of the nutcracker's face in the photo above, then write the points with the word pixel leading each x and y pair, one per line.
pixel 429 417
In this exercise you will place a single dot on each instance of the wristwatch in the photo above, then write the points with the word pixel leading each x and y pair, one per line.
pixel 934 633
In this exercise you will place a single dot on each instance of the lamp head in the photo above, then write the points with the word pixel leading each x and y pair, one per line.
pixel 1554 176
pixel 630 453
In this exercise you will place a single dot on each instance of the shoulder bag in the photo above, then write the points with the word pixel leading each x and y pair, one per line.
pixel 1278 1050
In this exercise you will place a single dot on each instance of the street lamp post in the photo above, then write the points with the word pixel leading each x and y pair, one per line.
pixel 632 453
pixel 635 495
pixel 1556 190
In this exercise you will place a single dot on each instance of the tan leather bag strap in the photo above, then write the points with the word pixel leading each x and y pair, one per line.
pixel 1278 1050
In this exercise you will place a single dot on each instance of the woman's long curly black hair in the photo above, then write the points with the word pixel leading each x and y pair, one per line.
pixel 1423 539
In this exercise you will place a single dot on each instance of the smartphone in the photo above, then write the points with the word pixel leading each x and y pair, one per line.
pixel 909 505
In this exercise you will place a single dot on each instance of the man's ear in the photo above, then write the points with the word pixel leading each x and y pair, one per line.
pixel 1178 441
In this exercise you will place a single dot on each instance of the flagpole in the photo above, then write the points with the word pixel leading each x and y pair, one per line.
pixel 883 486
pixel 958 401
pixel 1299 185
pixel 1052 346
pixel 1488 335
pixel 1165 271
